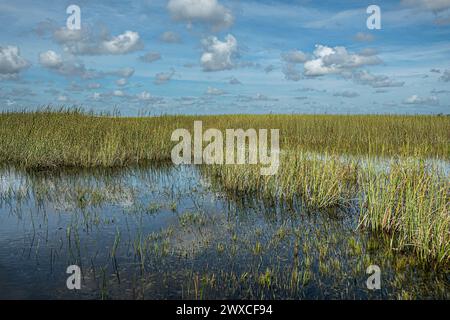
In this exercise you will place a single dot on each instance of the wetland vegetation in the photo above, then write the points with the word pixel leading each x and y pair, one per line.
pixel 100 192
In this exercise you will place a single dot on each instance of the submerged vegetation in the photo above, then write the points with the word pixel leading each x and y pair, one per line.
pixel 389 173
pixel 121 228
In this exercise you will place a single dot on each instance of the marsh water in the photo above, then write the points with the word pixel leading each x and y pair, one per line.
pixel 170 232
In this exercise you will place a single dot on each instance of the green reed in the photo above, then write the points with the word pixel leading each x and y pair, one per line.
pixel 326 161
pixel 72 138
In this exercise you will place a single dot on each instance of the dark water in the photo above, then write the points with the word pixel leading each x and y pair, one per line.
pixel 166 232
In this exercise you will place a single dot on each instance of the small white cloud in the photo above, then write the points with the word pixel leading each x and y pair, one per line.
pixel 71 66
pixel 123 43
pixel 163 77
pixel 125 72
pixel 364 37
pixel 66 67
pixel 50 59
pixel 415 99
pixel 62 98
pixel 95 96
pixel 83 42
pixel 257 97
pixel 209 12
pixel 11 62
pixel 150 57
pixel 144 96
pixel 121 82
pixel 121 73
pixel 118 93
pixel 64 35
pixel 335 61
pixel 218 54
pixel 376 81
pixel 214 91
pixel 170 37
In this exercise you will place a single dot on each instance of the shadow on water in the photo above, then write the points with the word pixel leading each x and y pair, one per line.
pixel 152 232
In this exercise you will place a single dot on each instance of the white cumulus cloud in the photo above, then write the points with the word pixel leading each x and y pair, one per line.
pixel 50 59
pixel 218 55
pixel 415 99
pixel 209 12
pixel 336 60
pixel 123 43
pixel 85 42
pixel 66 67
pixel 11 62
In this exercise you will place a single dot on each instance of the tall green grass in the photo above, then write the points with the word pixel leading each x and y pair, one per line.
pixel 411 203
pixel 319 181
pixel 405 199
pixel 71 138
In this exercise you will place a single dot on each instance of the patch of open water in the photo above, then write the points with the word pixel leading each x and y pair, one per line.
pixel 166 233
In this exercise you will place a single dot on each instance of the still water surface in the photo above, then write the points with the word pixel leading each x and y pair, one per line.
pixel 171 233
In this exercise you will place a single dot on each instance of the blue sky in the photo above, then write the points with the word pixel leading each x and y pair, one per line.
pixel 217 56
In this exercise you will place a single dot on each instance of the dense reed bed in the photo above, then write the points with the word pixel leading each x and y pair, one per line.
pixel 71 138
pixel 405 199
pixel 411 203
pixel 326 161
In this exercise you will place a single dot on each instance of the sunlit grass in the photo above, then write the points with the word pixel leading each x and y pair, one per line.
pixel 405 199
pixel 71 138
